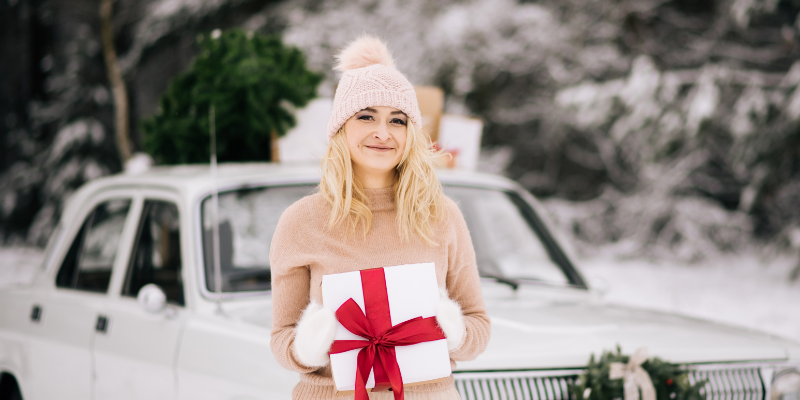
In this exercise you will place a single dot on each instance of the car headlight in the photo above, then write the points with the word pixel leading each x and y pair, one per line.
pixel 786 386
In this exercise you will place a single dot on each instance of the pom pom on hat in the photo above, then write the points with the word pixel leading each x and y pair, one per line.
pixel 363 52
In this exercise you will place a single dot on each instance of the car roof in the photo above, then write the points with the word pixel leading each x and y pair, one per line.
pixel 192 178
pixel 193 181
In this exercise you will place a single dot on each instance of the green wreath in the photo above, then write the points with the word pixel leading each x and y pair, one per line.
pixel 670 381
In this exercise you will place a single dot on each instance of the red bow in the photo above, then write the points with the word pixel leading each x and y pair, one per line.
pixel 377 352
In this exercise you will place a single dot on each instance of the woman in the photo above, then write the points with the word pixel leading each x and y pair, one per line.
pixel 379 204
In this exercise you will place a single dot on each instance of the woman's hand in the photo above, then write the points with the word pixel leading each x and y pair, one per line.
pixel 314 335
pixel 451 320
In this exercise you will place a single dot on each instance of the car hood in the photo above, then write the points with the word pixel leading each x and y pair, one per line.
pixel 546 329
pixel 530 333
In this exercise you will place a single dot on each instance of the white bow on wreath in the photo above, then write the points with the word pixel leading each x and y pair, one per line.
pixel 635 377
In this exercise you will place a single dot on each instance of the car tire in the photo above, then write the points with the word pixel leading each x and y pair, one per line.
pixel 9 389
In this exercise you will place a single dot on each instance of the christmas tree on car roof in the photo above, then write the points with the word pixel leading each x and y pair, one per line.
pixel 252 81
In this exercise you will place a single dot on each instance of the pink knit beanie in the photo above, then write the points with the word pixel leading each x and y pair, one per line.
pixel 370 79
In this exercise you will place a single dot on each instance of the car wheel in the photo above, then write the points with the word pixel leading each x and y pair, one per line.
pixel 9 389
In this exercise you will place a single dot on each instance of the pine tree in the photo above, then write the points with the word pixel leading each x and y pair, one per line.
pixel 250 79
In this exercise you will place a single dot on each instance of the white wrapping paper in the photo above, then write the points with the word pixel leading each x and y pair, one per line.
pixel 413 292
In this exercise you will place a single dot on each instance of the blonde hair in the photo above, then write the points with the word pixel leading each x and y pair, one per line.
pixel 418 195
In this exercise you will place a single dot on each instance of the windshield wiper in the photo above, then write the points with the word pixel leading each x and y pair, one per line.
pixel 514 283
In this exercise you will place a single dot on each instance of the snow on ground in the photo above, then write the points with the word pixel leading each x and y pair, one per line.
pixel 18 264
pixel 740 290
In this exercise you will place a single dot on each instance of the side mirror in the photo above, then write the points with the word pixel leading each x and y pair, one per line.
pixel 151 298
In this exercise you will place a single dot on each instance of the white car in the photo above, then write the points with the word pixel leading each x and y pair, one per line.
pixel 125 303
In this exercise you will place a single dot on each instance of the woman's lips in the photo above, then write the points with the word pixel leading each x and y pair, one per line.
pixel 379 148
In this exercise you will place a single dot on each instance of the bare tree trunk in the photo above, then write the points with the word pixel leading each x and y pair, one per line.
pixel 117 84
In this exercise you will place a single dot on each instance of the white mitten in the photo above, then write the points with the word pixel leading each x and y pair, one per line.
pixel 451 320
pixel 313 335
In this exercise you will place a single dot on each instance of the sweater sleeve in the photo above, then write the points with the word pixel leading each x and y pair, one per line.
pixel 463 286
pixel 290 286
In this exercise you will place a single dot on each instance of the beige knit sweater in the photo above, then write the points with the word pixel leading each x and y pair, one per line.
pixel 304 249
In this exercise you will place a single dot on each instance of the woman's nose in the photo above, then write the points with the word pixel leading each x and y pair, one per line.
pixel 381 133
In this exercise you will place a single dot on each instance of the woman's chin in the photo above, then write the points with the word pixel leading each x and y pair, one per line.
pixel 378 167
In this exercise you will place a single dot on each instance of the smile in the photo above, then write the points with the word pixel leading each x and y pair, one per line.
pixel 380 148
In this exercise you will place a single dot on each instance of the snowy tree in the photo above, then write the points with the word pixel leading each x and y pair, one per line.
pixel 661 127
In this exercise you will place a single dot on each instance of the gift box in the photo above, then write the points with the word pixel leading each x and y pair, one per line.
pixel 386 330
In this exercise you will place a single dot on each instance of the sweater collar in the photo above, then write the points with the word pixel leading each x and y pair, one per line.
pixel 381 199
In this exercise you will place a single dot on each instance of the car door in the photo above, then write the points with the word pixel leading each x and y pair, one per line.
pixel 135 356
pixel 66 319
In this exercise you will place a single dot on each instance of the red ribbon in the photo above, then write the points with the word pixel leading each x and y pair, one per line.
pixel 377 352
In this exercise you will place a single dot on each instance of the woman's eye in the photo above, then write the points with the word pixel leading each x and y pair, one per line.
pixel 365 117
pixel 398 121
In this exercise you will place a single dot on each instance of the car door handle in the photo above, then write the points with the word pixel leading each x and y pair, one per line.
pixel 36 313
pixel 102 324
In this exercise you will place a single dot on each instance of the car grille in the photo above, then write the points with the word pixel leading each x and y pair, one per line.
pixel 742 383
pixel 528 385
pixel 730 383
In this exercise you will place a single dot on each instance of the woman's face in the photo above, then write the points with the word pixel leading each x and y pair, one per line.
pixel 376 138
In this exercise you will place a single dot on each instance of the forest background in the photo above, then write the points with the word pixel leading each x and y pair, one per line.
pixel 663 129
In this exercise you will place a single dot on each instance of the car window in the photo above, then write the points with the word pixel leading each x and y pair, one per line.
pixel 247 220
pixel 90 259
pixel 156 256
pixel 506 244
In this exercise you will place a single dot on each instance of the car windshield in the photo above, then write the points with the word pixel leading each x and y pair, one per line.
pixel 508 244
pixel 247 221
